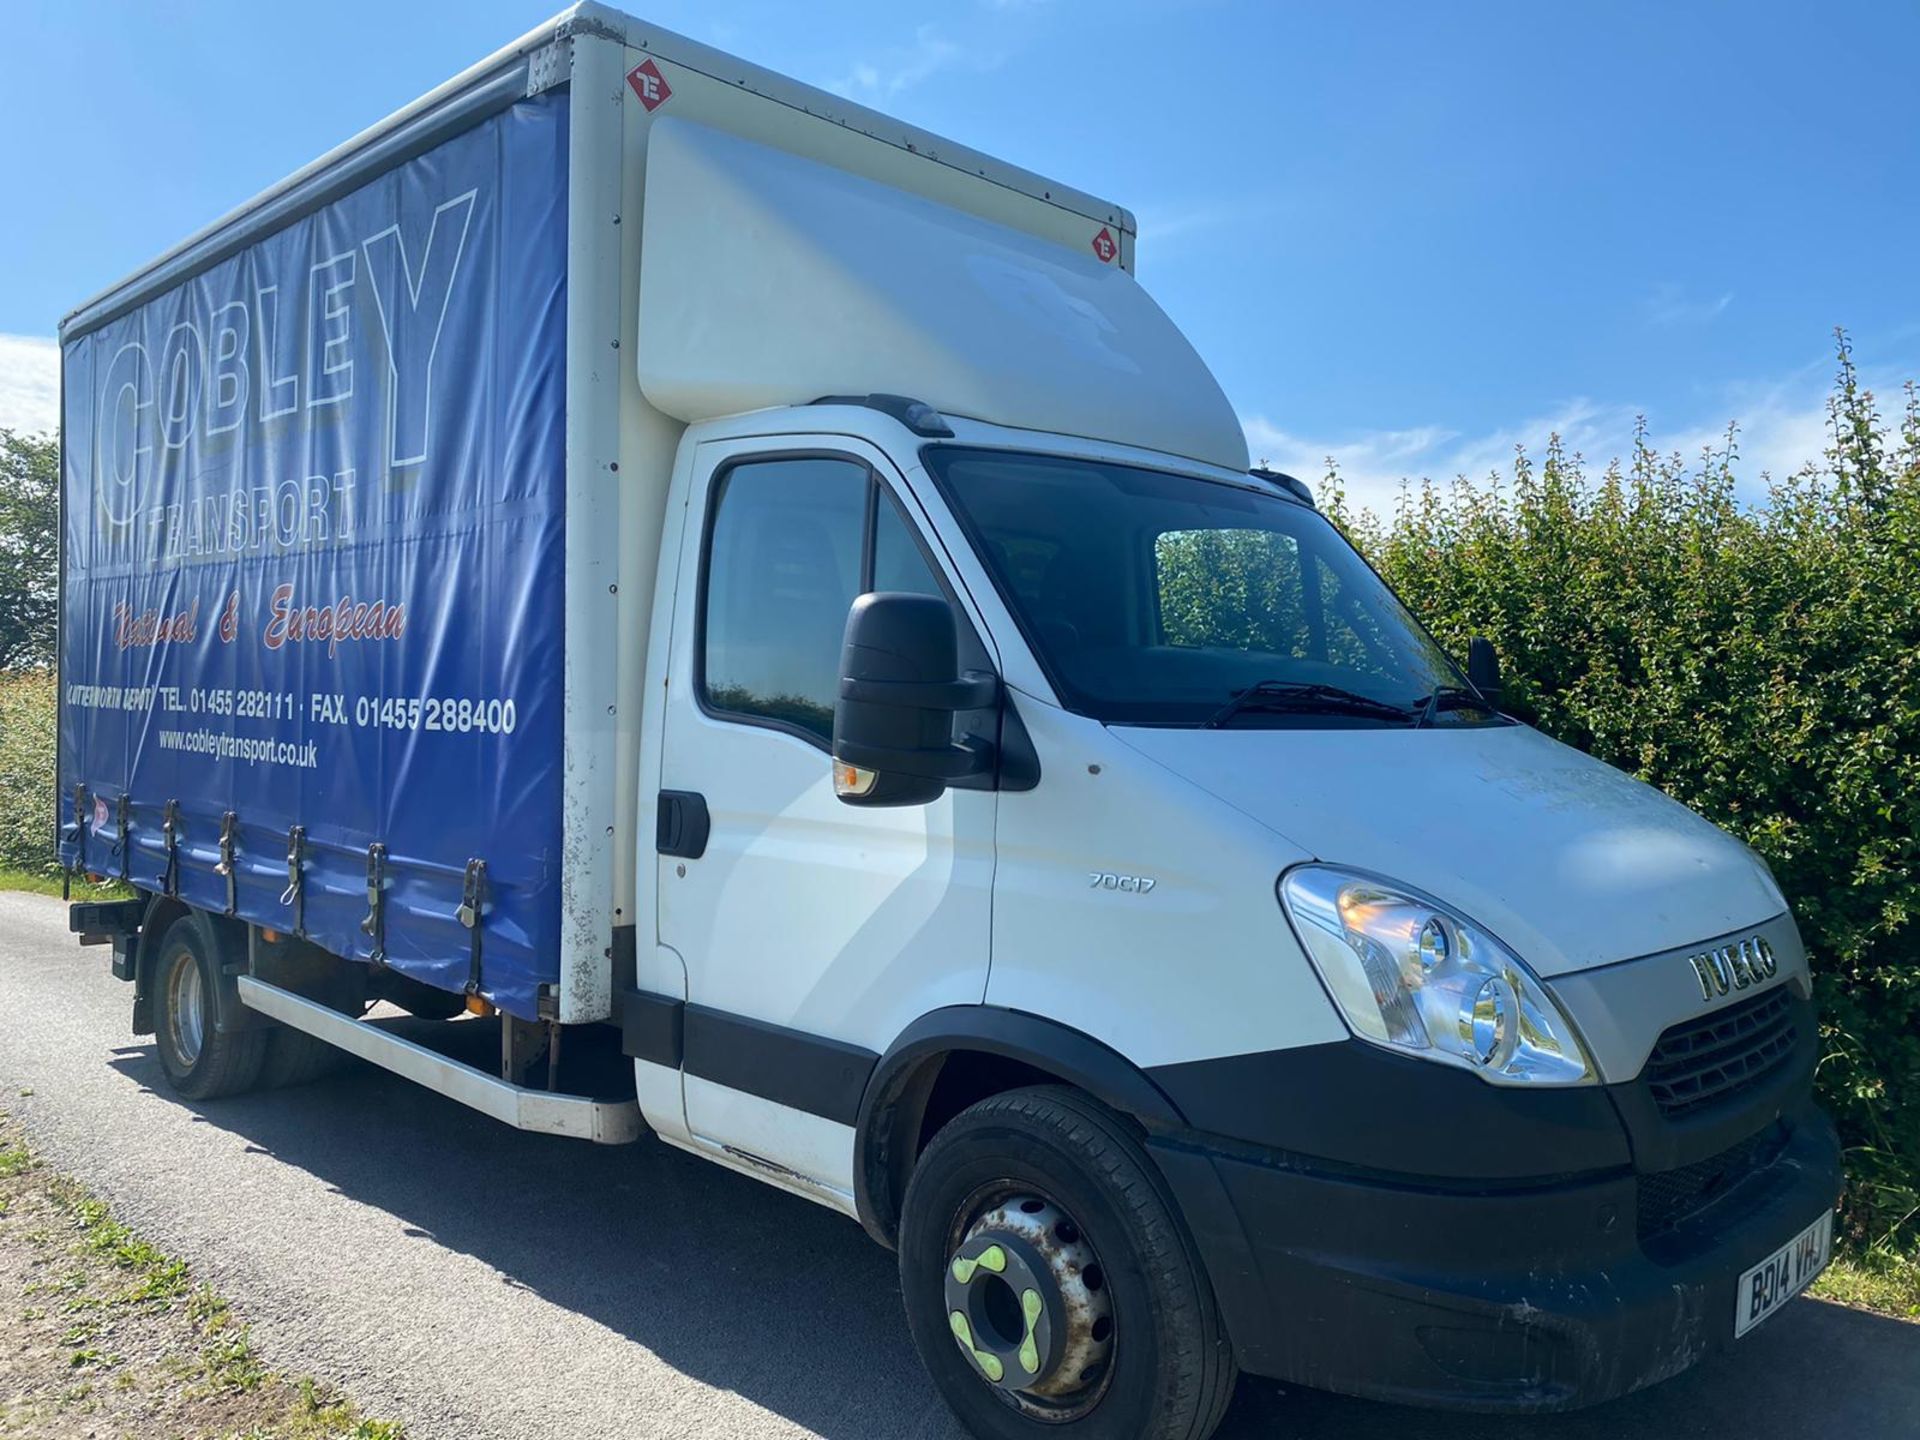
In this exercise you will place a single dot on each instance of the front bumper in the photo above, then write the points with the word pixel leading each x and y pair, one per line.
pixel 1542 1299
pixel 1460 1282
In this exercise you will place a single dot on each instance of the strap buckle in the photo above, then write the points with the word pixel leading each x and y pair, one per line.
pixel 376 922
pixel 124 814
pixel 170 833
pixel 296 892
pixel 473 908
pixel 228 824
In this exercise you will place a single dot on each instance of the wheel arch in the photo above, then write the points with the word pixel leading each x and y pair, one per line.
pixel 155 921
pixel 226 936
pixel 952 1057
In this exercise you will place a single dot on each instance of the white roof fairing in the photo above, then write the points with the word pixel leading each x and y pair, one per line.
pixel 768 279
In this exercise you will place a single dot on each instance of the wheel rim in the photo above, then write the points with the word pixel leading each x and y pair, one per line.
pixel 186 1008
pixel 1027 1303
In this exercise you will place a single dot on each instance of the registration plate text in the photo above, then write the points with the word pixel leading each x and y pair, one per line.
pixel 1782 1275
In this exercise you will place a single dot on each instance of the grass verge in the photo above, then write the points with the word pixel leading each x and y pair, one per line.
pixel 106 1335
pixel 1883 1281
pixel 47 882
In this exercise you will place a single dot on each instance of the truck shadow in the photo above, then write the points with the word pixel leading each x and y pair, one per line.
pixel 754 1291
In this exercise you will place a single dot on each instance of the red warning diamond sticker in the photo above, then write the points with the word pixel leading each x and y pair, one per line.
pixel 650 85
pixel 1104 245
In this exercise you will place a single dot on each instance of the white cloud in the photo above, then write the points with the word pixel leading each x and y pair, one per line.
pixel 1374 464
pixel 29 384
pixel 1165 227
pixel 1773 441
pixel 899 68
pixel 1782 426
pixel 1670 304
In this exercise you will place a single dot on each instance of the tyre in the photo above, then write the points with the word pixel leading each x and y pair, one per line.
pixel 201 1061
pixel 1050 1286
pixel 295 1058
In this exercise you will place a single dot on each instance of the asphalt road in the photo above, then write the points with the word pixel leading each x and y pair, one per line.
pixel 475 1281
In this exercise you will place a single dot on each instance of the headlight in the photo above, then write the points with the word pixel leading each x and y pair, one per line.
pixel 1412 975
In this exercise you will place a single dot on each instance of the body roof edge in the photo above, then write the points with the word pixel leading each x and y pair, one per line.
pixel 822 104
pixel 233 230
pixel 259 216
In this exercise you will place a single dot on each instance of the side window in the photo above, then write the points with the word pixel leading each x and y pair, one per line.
pixel 900 564
pixel 784 563
pixel 897 561
pixel 793 542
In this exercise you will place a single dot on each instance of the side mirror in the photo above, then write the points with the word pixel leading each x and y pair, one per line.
pixel 900 687
pixel 1483 667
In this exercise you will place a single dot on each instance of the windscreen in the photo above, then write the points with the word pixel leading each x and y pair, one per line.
pixel 1158 598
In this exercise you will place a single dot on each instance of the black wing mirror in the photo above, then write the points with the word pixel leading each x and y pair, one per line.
pixel 900 687
pixel 1483 667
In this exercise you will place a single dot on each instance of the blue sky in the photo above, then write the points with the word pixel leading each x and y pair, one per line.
pixel 1408 235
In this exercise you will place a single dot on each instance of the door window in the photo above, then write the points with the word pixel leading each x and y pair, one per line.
pixel 793 542
pixel 897 561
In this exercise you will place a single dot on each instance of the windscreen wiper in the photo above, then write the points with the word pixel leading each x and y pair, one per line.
pixel 1303 697
pixel 1448 697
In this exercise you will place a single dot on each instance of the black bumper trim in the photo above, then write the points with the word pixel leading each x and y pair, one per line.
pixel 1379 1112
pixel 1521 1299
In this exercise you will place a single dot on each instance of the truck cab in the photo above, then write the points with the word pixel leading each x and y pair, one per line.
pixel 1457 1040
pixel 781 616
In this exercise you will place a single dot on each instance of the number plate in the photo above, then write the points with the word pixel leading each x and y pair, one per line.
pixel 1782 1275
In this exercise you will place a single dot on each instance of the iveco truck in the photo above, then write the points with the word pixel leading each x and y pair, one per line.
pixel 747 612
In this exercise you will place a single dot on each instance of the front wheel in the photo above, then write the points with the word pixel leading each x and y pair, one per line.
pixel 1050 1287
pixel 202 1061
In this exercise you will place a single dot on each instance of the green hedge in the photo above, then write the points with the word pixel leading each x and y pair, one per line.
pixel 1761 664
pixel 26 771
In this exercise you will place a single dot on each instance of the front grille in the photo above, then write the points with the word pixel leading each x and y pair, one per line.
pixel 1667 1197
pixel 1718 1057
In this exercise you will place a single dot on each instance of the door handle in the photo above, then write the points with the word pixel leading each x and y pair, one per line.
pixel 683 824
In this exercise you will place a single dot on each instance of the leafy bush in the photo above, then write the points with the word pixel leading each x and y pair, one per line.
pixel 26 770
pixel 1761 664
pixel 29 542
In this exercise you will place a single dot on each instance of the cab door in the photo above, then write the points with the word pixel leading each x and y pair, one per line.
pixel 812 931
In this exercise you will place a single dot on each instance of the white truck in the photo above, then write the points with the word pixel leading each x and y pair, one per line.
pixel 753 601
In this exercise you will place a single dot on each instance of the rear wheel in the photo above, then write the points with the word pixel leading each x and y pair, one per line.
pixel 295 1058
pixel 1050 1287
pixel 201 1061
